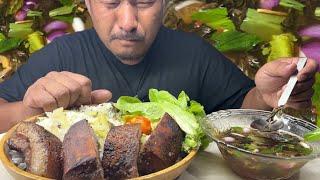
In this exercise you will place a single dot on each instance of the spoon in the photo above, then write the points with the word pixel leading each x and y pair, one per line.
pixel 274 121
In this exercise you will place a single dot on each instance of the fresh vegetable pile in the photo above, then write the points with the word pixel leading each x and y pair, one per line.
pixel 28 25
pixel 186 113
pixel 253 32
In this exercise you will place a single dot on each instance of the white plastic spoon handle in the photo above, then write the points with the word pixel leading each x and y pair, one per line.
pixel 291 83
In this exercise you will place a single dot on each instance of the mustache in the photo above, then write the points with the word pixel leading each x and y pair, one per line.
pixel 128 36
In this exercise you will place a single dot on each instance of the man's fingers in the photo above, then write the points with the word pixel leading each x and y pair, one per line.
pixel 283 68
pixel 100 96
pixel 300 105
pixel 73 86
pixel 86 87
pixel 308 71
pixel 303 96
pixel 57 90
pixel 303 86
pixel 41 99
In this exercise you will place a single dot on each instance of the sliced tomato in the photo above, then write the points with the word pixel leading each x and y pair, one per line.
pixel 145 123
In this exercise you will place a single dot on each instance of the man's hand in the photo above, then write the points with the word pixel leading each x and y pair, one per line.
pixel 63 89
pixel 272 78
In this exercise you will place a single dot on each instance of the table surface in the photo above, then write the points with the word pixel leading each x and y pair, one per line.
pixel 210 165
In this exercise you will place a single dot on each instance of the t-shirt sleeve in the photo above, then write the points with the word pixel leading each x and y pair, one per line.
pixel 224 85
pixel 37 66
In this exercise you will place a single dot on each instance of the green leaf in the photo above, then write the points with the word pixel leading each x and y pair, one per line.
pixel 34 13
pixel 183 100
pixel 35 41
pixel 9 44
pixel 66 18
pixel 62 10
pixel 66 2
pixel 197 109
pixel 313 136
pixel 262 25
pixel 2 37
pixel 316 97
pixel 133 105
pixel 20 30
pixel 14 6
pixel 234 41
pixel 281 46
pixel 215 18
pixel 292 4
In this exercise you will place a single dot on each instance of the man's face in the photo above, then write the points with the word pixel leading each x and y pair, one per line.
pixel 127 27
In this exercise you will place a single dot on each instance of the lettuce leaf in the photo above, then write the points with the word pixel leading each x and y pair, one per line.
pixel 185 112
pixel 132 105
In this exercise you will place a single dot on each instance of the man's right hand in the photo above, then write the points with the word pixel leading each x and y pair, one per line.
pixel 63 89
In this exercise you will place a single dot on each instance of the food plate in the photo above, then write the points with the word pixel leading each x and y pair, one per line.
pixel 171 172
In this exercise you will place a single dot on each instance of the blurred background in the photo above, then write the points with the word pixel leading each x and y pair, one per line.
pixel 248 32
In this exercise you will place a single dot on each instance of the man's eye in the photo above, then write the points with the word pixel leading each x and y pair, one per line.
pixel 110 3
pixel 145 3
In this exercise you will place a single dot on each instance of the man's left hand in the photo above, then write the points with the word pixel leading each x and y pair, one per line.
pixel 272 78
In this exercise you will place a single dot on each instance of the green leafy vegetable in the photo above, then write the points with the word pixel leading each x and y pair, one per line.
pixel 9 44
pixel 185 112
pixel 262 25
pixel 281 46
pixel 133 105
pixel 35 41
pixel 34 13
pixel 20 30
pixel 234 41
pixel 62 10
pixel 215 18
pixel 313 136
pixel 292 4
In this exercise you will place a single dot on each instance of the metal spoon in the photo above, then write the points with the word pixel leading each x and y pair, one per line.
pixel 274 121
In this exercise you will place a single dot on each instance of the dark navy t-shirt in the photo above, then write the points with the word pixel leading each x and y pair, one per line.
pixel 176 61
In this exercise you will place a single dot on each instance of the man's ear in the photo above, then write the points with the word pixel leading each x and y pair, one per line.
pixel 88 4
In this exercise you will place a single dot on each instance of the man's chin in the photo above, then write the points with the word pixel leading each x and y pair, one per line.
pixel 129 57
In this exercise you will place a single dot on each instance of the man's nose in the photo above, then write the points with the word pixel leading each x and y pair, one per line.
pixel 127 18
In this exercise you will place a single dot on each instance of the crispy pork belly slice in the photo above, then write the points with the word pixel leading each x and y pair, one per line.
pixel 80 153
pixel 40 148
pixel 121 152
pixel 163 147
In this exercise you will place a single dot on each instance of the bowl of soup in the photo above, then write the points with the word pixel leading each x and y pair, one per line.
pixel 261 155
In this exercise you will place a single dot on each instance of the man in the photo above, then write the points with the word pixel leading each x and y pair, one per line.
pixel 127 53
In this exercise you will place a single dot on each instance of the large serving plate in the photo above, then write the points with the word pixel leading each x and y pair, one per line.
pixel 171 172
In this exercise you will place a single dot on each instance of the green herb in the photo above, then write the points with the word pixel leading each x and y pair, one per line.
pixel 234 41
pixel 313 136
pixel 262 25
pixel 62 10
pixel 34 13
pixel 9 44
pixel 281 46
pixel 215 18
pixel 292 4
pixel 67 18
